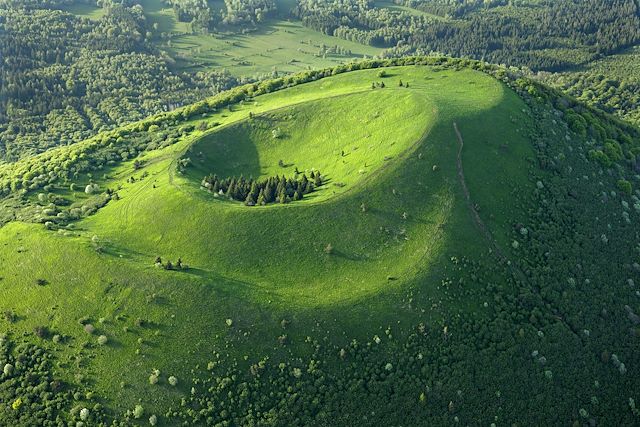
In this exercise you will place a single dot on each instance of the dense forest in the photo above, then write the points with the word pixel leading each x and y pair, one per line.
pixel 539 35
pixel 236 12
pixel 66 78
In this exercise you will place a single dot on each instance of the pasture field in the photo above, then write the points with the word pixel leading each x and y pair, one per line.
pixel 278 45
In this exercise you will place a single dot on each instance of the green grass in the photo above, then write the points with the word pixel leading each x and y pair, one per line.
pixel 347 138
pixel 276 45
pixel 85 10
pixel 262 264
pixel 157 12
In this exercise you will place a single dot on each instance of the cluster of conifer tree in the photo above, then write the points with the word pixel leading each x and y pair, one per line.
pixel 276 189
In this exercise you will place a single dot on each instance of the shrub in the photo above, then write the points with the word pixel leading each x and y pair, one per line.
pixel 138 412
pixel 8 369
pixel 624 186
pixel 173 380
pixel 41 331
pixel 102 339
pixel 10 316
pixel 89 328
pixel 153 420
pixel 84 414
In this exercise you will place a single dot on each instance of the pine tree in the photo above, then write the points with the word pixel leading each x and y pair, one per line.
pixel 261 199
pixel 318 180
pixel 297 195
pixel 250 201
pixel 268 193
pixel 401 83
pixel 231 190
pixel 253 192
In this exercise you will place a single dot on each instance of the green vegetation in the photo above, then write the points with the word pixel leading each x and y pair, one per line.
pixel 277 46
pixel 262 192
pixel 461 221
pixel 611 84
pixel 549 35
pixel 151 56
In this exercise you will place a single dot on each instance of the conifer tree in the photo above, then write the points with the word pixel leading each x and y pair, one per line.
pixel 261 199
pixel 231 190
pixel 254 190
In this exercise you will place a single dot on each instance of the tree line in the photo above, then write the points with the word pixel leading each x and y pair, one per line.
pixel 275 189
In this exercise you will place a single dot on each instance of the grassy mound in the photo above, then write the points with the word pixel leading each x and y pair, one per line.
pixel 434 233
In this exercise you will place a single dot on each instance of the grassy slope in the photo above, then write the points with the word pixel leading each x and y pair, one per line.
pixel 156 12
pixel 85 10
pixel 276 45
pixel 258 266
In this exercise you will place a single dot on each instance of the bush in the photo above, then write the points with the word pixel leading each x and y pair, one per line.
pixel 102 339
pixel 138 412
pixel 84 414
pixel 173 380
pixel 624 186
pixel 8 369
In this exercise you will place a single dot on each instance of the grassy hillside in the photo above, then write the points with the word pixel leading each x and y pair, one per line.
pixel 430 275
pixel 278 45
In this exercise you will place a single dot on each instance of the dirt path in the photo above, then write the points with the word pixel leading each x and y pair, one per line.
pixel 519 274
pixel 474 212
